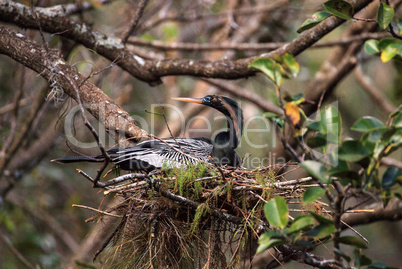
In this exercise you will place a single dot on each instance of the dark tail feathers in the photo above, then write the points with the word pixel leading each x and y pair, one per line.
pixel 74 159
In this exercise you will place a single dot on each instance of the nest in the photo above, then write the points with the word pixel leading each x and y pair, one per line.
pixel 193 218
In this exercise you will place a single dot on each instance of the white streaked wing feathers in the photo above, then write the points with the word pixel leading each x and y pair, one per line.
pixel 161 154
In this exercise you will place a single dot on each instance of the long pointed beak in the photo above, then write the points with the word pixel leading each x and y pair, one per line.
pixel 189 100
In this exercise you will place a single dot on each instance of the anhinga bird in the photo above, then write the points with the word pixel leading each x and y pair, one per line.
pixel 154 154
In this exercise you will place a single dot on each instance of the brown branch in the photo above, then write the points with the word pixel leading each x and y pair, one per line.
pixel 15 251
pixel 9 107
pixel 28 158
pixel 245 94
pixel 149 70
pixel 393 213
pixel 97 103
pixel 92 240
pixel 21 136
pixel 73 8
pixel 213 211
pixel 339 63
pixel 196 17
pixel 378 96
pixel 134 21
pixel 246 46
pixel 14 120
pixel 307 258
pixel 389 161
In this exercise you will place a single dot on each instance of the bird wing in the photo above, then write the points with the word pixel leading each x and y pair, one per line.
pixel 167 152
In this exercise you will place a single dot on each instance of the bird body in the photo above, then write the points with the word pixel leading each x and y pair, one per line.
pixel 177 152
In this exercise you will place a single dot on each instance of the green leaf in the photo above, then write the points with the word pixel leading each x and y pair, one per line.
pixel 314 125
pixel 385 15
pixel 341 168
pixel 390 47
pixel 321 219
pixel 269 115
pixel 315 19
pixel 276 211
pixel 331 123
pixel 385 42
pixel 319 140
pixel 316 169
pixel 312 194
pixel 270 68
pixel 390 176
pixel 377 134
pixel 353 241
pixel 353 151
pixel 371 46
pixel 360 259
pixel 397 121
pixel 301 223
pixel 366 124
pixel 290 66
pixel 322 230
pixel 271 243
pixel 388 53
pixel 298 98
pixel 340 9
pixel 269 240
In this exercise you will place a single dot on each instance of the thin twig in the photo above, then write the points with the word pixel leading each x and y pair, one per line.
pixel 373 91
pixel 246 46
pixel 97 210
pixel 15 251
pixel 135 19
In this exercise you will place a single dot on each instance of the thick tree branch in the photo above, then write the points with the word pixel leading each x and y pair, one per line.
pixel 53 68
pixel 152 70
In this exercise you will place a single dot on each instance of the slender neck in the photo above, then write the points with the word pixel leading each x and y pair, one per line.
pixel 234 116
pixel 235 129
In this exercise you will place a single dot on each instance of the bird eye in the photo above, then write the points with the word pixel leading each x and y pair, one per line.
pixel 207 99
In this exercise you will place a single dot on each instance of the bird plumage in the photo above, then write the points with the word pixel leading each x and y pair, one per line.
pixel 176 152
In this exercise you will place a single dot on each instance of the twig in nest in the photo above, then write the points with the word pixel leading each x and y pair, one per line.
pixel 97 210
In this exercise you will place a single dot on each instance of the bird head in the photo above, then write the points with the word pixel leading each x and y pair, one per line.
pixel 228 107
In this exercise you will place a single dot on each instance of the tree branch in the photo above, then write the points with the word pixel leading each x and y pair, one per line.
pixel 378 96
pixel 104 109
pixel 152 70
pixel 156 44
pixel 391 213
pixel 135 19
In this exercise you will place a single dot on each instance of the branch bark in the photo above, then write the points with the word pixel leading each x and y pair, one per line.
pixel 151 71
pixel 53 68
pixel 393 212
